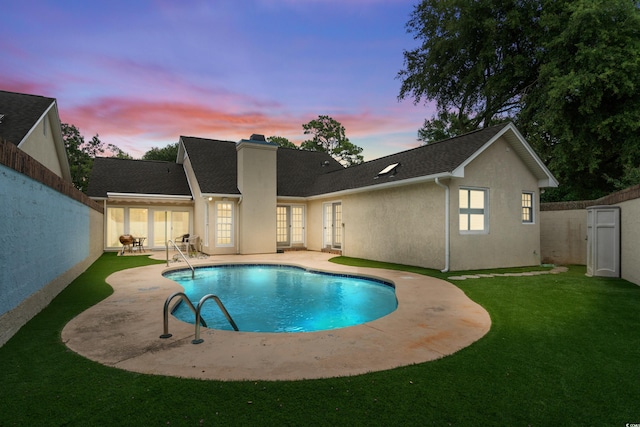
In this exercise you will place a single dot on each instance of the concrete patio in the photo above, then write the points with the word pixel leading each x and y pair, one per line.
pixel 434 319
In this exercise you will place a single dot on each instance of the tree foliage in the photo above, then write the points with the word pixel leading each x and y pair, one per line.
pixel 81 154
pixel 567 72
pixel 329 137
pixel 282 142
pixel 168 153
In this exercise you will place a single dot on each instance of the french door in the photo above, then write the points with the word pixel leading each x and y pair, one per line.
pixel 289 225
pixel 333 225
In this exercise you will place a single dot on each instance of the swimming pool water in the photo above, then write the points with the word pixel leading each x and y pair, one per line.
pixel 266 298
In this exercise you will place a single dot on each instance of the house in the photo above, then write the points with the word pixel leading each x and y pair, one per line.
pixel 32 123
pixel 51 231
pixel 469 202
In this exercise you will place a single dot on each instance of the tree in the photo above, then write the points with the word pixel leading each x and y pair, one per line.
pixel 168 153
pixel 476 59
pixel 588 97
pixel 329 137
pixel 445 125
pixel 567 72
pixel 282 142
pixel 81 154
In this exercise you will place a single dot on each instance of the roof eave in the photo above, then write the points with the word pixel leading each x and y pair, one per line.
pixel 386 185
pixel 148 197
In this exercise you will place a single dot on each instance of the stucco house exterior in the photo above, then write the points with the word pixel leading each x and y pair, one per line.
pixel 469 202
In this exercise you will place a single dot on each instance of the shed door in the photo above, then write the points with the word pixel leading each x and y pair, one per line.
pixel 603 241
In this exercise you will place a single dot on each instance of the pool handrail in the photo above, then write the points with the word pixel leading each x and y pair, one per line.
pixel 184 298
pixel 197 339
pixel 193 271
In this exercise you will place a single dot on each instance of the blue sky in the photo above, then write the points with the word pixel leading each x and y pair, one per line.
pixel 142 73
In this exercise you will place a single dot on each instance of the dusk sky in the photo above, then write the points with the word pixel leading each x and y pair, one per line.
pixel 142 73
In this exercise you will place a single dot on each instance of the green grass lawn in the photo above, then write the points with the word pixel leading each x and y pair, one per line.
pixel 563 350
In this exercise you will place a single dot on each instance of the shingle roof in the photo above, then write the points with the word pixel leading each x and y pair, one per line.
pixel 300 173
pixel 298 170
pixel 21 112
pixel 214 164
pixel 137 176
pixel 427 160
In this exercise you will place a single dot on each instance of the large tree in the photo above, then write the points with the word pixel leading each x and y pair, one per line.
pixel 329 137
pixel 168 153
pixel 282 142
pixel 81 154
pixel 568 73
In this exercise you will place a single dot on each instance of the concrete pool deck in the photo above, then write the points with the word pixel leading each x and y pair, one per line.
pixel 434 319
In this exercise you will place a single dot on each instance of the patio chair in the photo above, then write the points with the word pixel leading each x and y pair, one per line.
pixel 182 241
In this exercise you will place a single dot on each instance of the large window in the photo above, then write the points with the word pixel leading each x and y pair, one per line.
pixel 527 208
pixel 474 214
pixel 115 226
pixel 224 224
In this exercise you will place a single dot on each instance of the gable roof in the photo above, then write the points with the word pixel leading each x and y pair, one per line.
pixel 442 159
pixel 137 178
pixel 307 174
pixel 214 164
pixel 21 112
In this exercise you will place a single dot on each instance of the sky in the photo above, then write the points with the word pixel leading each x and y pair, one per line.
pixel 141 73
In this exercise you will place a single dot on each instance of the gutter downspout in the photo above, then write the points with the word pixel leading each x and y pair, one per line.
pixel 447 231
pixel 238 226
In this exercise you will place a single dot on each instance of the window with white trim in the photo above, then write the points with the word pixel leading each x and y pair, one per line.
pixel 474 213
pixel 527 207
pixel 224 223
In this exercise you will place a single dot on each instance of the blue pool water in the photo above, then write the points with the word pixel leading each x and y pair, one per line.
pixel 266 298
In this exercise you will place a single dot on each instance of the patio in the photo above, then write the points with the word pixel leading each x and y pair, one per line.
pixel 433 319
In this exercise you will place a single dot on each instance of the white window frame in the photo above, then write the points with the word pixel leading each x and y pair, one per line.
pixel 206 222
pixel 231 225
pixel 468 211
pixel 531 208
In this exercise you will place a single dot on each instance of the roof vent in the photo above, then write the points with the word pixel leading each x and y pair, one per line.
pixel 1 117
pixel 258 137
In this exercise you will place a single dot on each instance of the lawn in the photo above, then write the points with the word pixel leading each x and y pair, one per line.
pixel 563 350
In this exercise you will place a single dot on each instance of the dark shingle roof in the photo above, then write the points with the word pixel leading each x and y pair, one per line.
pixel 428 160
pixel 214 164
pixel 138 177
pixel 21 112
pixel 298 170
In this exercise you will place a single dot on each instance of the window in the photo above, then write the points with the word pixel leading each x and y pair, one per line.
pixel 224 224
pixel 527 208
pixel 473 210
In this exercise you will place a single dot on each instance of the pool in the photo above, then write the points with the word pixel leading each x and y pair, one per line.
pixel 279 298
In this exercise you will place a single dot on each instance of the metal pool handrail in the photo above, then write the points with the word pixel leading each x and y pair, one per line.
pixel 197 339
pixel 193 271
pixel 184 298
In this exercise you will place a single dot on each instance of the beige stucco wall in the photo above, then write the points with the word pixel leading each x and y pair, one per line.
pixel 508 242
pixel 563 236
pixel 630 240
pixel 403 225
pixel 257 182
pixel 41 146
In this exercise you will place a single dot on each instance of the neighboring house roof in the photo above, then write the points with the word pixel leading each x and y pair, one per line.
pixel 137 178
pixel 21 113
